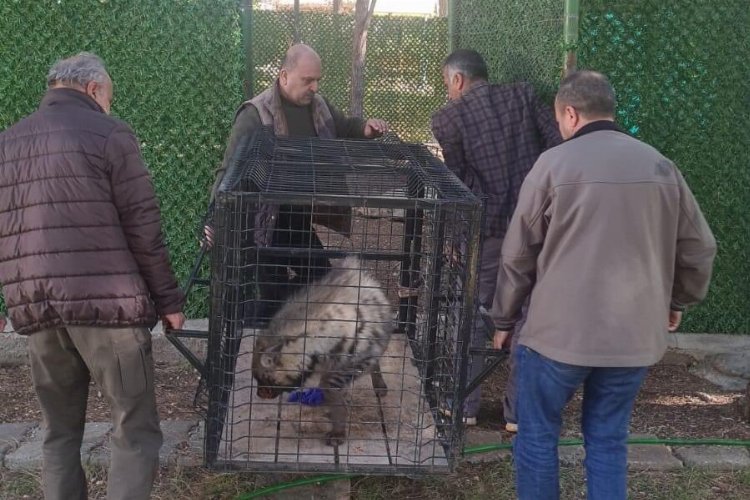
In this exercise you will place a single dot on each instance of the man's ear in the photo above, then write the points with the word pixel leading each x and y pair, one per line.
pixel 91 88
pixel 459 80
pixel 573 115
pixel 283 76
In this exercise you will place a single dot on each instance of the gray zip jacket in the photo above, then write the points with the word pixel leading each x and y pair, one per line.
pixel 606 237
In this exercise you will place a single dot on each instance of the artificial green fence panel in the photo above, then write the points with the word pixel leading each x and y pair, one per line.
pixel 403 81
pixel 681 72
pixel 519 39
pixel 177 67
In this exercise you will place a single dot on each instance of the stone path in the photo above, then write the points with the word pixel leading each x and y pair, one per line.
pixel 21 449
pixel 21 444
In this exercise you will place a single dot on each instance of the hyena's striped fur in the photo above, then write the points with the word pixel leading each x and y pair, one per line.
pixel 338 326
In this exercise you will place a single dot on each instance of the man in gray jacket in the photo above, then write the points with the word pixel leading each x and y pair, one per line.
pixel 85 273
pixel 611 245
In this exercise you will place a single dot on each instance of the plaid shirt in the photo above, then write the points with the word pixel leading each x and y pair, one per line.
pixel 491 137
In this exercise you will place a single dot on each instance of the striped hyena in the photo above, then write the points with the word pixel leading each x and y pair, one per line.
pixel 338 326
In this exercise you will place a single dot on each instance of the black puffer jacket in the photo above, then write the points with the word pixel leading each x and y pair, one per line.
pixel 80 229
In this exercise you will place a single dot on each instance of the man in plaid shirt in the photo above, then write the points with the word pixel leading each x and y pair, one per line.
pixel 491 135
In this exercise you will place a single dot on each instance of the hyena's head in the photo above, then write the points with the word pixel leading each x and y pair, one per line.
pixel 275 371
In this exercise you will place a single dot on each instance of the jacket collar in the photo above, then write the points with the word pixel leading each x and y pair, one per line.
pixel 596 126
pixel 69 97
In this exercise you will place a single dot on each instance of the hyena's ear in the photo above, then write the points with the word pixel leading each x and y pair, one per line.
pixel 267 360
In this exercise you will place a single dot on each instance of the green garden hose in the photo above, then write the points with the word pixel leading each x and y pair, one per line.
pixel 485 448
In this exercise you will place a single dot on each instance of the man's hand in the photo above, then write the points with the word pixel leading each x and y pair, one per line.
pixel 375 127
pixel 172 321
pixel 501 338
pixel 675 317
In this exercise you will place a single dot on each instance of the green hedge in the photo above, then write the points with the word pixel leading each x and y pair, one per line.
pixel 680 70
pixel 177 67
pixel 520 40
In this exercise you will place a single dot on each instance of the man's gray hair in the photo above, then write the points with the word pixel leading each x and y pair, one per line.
pixel 589 92
pixel 80 69
pixel 467 62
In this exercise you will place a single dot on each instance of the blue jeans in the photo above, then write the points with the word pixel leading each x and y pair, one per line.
pixel 544 388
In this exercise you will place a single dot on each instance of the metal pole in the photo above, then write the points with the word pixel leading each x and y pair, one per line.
pixel 296 22
pixel 452 25
pixel 247 44
pixel 570 35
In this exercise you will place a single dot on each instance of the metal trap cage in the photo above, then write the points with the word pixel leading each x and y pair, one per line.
pixel 343 270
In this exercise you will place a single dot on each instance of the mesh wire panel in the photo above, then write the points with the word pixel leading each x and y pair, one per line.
pixel 519 40
pixel 177 68
pixel 680 72
pixel 403 83
pixel 333 258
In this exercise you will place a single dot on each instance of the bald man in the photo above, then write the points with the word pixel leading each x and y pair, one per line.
pixel 293 107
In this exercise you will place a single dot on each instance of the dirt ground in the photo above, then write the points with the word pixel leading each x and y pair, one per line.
pixel 672 404
pixel 175 389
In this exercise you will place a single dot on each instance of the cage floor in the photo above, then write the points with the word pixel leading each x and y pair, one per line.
pixel 397 430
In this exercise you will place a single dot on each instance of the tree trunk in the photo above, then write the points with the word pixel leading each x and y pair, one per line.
pixel 336 6
pixel 362 16
pixel 443 8
pixel 295 33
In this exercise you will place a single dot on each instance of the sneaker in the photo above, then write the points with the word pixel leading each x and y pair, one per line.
pixel 468 421
pixel 511 427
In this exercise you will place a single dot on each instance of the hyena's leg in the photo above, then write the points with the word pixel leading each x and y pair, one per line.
pixel 333 385
pixel 378 383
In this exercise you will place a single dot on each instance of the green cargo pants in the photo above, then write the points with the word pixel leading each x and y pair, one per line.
pixel 63 361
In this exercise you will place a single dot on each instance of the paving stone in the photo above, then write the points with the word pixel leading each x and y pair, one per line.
pixel 176 438
pixel 733 364
pixel 29 455
pixel 179 446
pixel 571 456
pixel 192 455
pixel 98 456
pixel 651 456
pixel 714 457
pixel 11 436
pixel 94 437
pixel 478 437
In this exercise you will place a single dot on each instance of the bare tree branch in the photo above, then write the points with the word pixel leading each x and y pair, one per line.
pixel 363 11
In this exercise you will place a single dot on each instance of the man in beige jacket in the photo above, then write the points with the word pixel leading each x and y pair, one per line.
pixel 610 244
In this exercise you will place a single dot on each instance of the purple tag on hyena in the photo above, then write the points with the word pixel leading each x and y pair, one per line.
pixel 311 396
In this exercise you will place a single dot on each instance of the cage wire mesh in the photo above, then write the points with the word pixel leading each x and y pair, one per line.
pixel 335 259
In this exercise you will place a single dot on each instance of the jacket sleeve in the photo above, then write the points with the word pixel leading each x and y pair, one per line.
pixel 448 134
pixel 546 123
pixel 135 200
pixel 245 123
pixel 522 244
pixel 349 127
pixel 696 249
